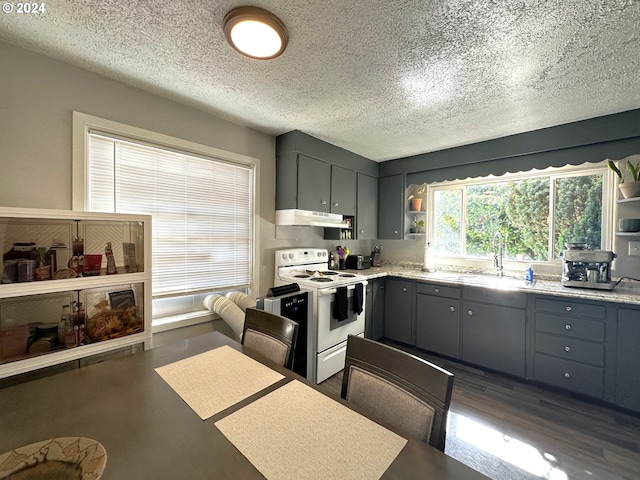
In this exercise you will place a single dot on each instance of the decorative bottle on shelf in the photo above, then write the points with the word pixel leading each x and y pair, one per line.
pixel 64 325
pixel 111 261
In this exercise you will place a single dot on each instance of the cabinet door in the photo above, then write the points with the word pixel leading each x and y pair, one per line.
pixel 367 208
pixel 398 310
pixel 343 191
pixel 628 359
pixel 391 207
pixel 374 315
pixel 493 336
pixel 438 325
pixel 314 184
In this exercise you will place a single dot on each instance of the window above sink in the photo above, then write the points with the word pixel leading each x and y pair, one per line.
pixel 536 212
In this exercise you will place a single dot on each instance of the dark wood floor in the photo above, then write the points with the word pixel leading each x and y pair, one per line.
pixel 512 429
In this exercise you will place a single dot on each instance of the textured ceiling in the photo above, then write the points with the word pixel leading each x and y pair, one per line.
pixel 382 78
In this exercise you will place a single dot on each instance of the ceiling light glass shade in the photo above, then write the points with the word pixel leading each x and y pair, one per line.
pixel 255 32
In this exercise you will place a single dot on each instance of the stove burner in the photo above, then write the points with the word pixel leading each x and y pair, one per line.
pixel 301 276
pixel 321 279
pixel 329 272
pixel 347 275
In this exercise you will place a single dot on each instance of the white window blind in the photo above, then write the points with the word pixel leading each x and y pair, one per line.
pixel 202 211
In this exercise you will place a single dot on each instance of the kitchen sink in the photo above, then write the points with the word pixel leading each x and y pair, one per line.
pixel 501 283
pixel 491 281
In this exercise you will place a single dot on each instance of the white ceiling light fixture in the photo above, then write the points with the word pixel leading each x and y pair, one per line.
pixel 255 32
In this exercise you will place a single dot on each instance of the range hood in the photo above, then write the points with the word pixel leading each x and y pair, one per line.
pixel 295 217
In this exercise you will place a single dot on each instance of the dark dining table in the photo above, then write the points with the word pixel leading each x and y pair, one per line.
pixel 149 432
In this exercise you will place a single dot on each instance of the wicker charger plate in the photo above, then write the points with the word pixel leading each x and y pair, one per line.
pixel 64 458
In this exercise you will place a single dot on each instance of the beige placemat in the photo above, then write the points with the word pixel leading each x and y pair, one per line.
pixel 215 380
pixel 297 432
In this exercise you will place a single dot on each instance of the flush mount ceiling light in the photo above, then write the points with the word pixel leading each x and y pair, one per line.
pixel 255 32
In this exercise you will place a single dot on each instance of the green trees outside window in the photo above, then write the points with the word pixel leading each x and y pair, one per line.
pixel 533 227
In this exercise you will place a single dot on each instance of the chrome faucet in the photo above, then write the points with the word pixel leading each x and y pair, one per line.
pixel 497 252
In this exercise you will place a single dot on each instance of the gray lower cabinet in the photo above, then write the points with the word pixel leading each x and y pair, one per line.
pixel 374 309
pixel 628 359
pixel 569 345
pixel 438 319
pixel 391 207
pixel 367 208
pixel 494 330
pixel 399 299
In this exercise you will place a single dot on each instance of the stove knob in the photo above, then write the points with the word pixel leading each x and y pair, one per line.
pixel 291 255
pixel 284 256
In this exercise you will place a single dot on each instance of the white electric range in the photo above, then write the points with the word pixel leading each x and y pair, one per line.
pixel 309 268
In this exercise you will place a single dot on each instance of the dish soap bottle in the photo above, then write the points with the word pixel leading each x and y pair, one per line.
pixel 528 276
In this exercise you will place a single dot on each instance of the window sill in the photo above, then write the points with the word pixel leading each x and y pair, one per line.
pixel 178 321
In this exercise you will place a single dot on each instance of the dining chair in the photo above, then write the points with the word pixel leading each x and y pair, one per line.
pixel 403 390
pixel 271 335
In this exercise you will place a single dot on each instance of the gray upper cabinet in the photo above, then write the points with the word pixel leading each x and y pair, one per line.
pixel 391 207
pixel 343 191
pixel 320 177
pixel 367 208
pixel 314 184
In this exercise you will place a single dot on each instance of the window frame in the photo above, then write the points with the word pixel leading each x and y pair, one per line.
pixel 81 126
pixel 608 208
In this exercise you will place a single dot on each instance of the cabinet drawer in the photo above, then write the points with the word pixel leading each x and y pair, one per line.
pixel 570 307
pixel 570 326
pixel 570 349
pixel 438 290
pixel 577 377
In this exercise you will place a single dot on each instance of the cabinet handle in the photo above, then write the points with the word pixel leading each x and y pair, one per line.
pixel 452 308
pixel 470 312
pixel 567 348
pixel 335 204
pixel 404 289
pixel 437 290
pixel 567 326
pixel 395 231
pixel 566 375
pixel 568 308
pixel 361 231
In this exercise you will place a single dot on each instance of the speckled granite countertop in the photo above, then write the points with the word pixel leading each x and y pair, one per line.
pixel 625 292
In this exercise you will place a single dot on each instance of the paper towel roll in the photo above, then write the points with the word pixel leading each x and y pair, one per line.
pixel 429 264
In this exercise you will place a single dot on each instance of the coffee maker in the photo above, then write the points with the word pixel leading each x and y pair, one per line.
pixel 585 268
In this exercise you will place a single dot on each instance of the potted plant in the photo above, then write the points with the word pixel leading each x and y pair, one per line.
pixel 417 226
pixel 628 189
pixel 416 199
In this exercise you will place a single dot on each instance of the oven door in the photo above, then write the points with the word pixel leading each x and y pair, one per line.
pixel 331 331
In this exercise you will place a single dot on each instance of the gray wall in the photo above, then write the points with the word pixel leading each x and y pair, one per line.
pixel 37 98
pixel 593 140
